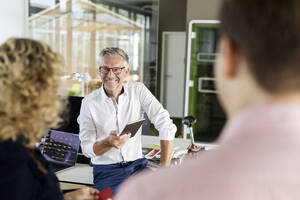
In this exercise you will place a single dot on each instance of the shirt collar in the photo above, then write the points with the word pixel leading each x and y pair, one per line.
pixel 125 88
pixel 103 93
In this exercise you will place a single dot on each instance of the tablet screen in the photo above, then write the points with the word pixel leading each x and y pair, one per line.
pixel 132 127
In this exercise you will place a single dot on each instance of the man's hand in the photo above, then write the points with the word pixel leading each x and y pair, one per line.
pixel 101 147
pixel 118 141
pixel 86 193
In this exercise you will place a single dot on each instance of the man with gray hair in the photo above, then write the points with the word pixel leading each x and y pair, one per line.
pixel 106 111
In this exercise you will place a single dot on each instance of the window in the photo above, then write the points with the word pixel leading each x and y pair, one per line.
pixel 80 29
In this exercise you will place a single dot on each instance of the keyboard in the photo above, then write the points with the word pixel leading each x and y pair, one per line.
pixel 59 152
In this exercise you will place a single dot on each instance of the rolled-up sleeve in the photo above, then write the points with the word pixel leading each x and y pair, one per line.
pixel 87 133
pixel 157 114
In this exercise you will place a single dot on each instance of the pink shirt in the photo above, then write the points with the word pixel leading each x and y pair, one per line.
pixel 258 158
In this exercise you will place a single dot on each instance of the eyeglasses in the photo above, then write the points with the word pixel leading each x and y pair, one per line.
pixel 115 70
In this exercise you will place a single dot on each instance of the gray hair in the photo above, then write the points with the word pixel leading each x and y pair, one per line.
pixel 112 51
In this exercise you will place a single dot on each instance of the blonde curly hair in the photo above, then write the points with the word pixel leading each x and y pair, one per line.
pixel 29 81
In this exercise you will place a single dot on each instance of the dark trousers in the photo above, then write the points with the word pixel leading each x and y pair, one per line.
pixel 113 175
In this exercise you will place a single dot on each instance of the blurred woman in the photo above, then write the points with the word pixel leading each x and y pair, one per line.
pixel 29 106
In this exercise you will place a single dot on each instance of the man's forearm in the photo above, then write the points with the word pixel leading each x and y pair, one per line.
pixel 101 147
pixel 166 152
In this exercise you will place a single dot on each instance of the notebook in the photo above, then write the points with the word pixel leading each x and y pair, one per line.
pixel 61 149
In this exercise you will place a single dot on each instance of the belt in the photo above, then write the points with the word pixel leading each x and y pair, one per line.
pixel 125 162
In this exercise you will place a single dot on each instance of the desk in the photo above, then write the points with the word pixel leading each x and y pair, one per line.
pixel 179 143
pixel 82 174
pixel 79 174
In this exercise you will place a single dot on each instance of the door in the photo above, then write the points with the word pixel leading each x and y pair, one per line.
pixel 172 73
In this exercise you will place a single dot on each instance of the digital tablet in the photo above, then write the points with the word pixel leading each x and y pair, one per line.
pixel 132 127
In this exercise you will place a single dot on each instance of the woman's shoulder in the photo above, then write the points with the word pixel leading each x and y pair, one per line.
pixel 20 173
pixel 12 153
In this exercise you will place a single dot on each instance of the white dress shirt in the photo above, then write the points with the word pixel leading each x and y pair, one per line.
pixel 99 115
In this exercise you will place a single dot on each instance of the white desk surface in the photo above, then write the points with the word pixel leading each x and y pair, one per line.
pixel 80 173
pixel 83 173
pixel 179 143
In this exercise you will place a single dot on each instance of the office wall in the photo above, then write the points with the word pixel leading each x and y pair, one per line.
pixel 202 9
pixel 172 17
pixel 13 18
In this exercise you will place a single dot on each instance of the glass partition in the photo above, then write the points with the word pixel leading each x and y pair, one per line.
pixel 201 100
pixel 80 29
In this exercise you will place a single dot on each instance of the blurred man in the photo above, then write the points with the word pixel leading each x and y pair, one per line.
pixel 104 114
pixel 258 78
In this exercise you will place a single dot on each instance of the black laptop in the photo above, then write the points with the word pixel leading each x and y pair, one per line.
pixel 61 149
